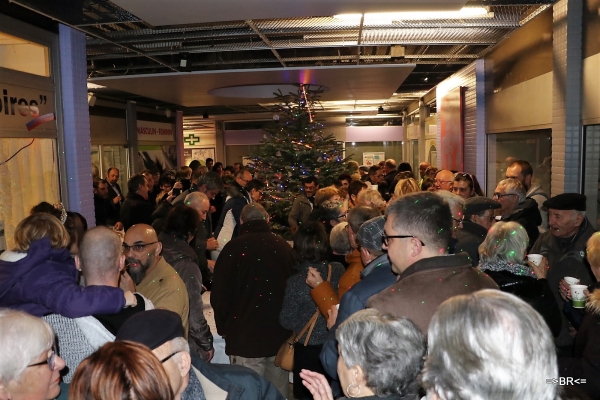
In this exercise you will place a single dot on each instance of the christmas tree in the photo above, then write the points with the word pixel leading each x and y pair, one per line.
pixel 295 146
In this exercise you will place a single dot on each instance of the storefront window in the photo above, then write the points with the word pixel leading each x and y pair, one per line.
pixel 26 179
pixel 371 153
pixel 22 55
pixel 532 146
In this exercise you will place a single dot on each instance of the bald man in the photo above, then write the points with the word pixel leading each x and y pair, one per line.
pixel 101 262
pixel 444 180
pixel 154 277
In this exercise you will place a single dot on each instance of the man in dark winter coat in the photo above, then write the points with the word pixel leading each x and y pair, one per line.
pixel 135 208
pixel 510 193
pixel 564 245
pixel 247 295
pixel 190 377
pixel 478 219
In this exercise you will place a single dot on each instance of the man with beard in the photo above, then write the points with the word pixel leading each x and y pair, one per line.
pixel 153 276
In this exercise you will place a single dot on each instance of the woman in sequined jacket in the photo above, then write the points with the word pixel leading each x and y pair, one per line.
pixel 502 257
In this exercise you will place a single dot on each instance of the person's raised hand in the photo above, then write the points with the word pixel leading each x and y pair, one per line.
pixel 316 384
pixel 313 279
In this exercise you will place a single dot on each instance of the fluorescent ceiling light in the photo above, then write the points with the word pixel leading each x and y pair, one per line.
pixel 388 18
pixel 91 85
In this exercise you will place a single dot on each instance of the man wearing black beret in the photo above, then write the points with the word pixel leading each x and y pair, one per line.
pixel 564 246
pixel 478 219
pixel 192 378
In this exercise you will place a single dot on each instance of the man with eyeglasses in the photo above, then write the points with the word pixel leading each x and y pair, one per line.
pixel 153 276
pixel 416 235
pixel 376 276
pixel 101 262
pixel 190 377
pixel 478 219
pixel 515 206
pixel 444 180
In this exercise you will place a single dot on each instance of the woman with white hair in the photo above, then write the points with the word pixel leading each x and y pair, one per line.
pixel 489 345
pixel 380 358
pixel 502 257
pixel 29 365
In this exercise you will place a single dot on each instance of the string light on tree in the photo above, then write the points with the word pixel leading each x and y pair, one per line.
pixel 294 147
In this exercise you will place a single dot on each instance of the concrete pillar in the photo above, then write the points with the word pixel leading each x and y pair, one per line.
pixel 566 96
pixel 132 138
pixel 76 122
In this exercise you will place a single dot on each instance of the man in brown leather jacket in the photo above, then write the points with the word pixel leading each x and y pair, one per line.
pixel 416 235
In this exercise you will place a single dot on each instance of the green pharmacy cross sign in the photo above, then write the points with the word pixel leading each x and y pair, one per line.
pixel 191 139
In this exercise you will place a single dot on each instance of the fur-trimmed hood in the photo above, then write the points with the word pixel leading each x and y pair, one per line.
pixel 593 302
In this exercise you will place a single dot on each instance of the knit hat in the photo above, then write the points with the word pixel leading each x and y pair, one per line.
pixel 151 328
pixel 369 234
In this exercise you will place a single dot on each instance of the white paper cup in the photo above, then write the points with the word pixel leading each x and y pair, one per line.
pixel 374 187
pixel 571 281
pixel 577 295
pixel 535 258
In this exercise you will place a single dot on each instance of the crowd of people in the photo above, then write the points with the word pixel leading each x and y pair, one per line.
pixel 396 285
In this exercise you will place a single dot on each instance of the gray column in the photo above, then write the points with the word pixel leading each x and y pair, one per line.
pixel 132 138
pixel 566 96
pixel 76 122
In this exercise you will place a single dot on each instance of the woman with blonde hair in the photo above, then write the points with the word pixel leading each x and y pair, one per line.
pixel 405 186
pixel 39 275
pixel 121 370
pixel 371 198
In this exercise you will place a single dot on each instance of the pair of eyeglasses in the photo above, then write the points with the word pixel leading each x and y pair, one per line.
pixel 136 247
pixel 458 221
pixel 439 182
pixel 385 238
pixel 169 357
pixel 499 195
pixel 51 360
pixel 343 215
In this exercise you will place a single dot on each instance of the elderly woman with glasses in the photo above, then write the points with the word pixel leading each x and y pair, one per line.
pixel 311 245
pixel 39 275
pixel 380 358
pixel 502 257
pixel 29 366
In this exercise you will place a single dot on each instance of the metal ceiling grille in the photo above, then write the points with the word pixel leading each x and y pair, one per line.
pixel 119 43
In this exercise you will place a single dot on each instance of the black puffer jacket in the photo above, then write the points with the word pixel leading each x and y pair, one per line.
pixel 528 215
pixel 181 256
pixel 136 210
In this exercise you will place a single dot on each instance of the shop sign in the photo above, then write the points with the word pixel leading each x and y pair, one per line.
pixel 24 109
pixel 149 131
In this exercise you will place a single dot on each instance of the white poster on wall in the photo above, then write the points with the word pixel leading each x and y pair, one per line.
pixel 373 158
